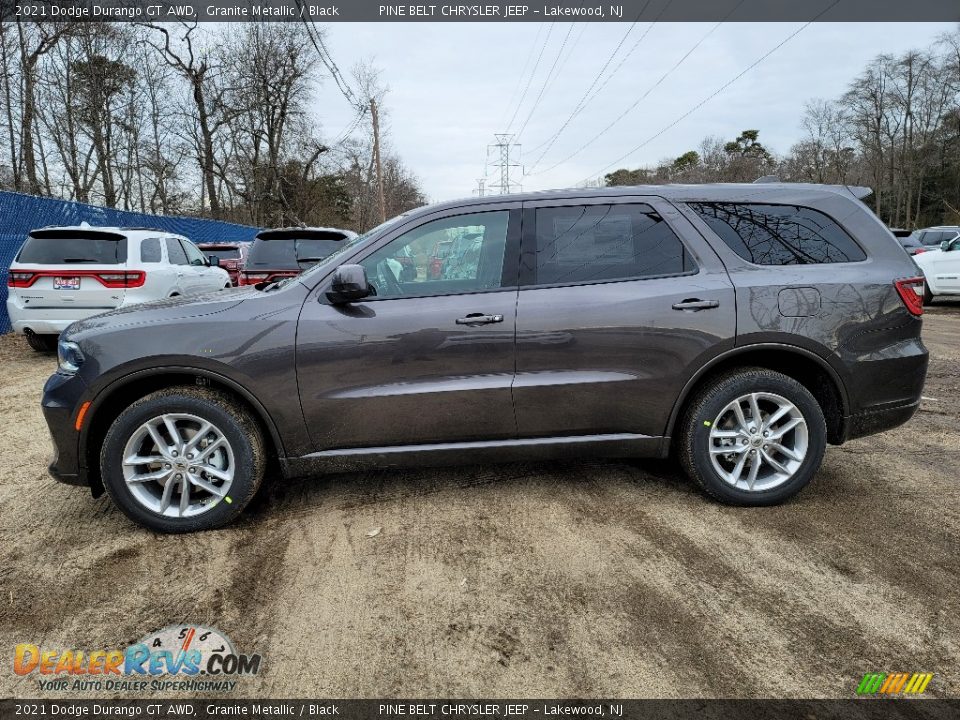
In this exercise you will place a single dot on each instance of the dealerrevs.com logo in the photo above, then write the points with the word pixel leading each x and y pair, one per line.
pixel 178 657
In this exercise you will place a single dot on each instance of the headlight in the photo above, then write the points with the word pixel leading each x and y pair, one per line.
pixel 69 356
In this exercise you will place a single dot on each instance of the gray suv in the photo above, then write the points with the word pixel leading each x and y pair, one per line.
pixel 740 328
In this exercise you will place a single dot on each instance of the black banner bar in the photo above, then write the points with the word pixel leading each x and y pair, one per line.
pixel 482 10
pixel 438 709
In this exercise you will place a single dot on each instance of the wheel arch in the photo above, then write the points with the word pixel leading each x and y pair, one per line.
pixel 119 394
pixel 804 366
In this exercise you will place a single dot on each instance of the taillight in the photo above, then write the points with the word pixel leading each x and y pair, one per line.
pixel 919 250
pixel 122 279
pixel 252 278
pixel 907 289
pixel 21 279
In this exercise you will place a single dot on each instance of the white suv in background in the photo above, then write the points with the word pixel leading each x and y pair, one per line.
pixel 941 266
pixel 63 274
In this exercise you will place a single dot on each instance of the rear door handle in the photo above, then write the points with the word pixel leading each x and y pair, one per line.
pixel 479 319
pixel 696 304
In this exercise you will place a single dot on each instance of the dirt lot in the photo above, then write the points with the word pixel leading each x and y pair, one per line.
pixel 568 580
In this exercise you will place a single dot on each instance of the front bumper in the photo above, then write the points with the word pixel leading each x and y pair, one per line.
pixel 62 397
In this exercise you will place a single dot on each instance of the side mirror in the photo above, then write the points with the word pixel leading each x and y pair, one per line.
pixel 945 246
pixel 349 284
pixel 213 261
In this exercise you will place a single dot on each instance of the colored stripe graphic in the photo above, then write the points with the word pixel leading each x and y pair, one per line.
pixel 894 683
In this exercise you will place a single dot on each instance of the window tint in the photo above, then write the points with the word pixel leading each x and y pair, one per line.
pixel 779 234
pixel 590 243
pixel 175 252
pixel 66 247
pixel 194 256
pixel 287 252
pixel 150 250
pixel 407 265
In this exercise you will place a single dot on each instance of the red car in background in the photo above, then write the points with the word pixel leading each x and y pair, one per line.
pixel 231 255
pixel 286 252
pixel 441 251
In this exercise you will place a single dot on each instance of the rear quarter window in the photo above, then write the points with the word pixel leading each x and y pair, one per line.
pixel 779 234
pixel 150 250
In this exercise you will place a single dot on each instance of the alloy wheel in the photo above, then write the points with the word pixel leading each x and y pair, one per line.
pixel 758 441
pixel 178 465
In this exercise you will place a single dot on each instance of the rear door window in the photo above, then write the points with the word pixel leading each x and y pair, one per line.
pixel 779 234
pixel 72 247
pixel 596 243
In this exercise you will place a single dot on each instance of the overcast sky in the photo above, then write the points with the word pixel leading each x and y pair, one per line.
pixel 453 85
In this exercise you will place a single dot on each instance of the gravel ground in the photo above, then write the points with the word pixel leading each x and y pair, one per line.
pixel 569 580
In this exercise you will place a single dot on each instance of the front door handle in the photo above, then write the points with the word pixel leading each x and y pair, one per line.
pixel 479 319
pixel 696 304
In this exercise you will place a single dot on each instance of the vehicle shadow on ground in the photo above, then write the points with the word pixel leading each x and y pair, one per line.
pixel 348 491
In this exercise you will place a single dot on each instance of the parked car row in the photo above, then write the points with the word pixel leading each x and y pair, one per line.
pixel 64 274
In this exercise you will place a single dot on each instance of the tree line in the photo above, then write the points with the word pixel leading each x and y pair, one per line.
pixel 184 119
pixel 896 129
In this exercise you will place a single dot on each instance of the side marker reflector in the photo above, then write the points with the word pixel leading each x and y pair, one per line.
pixel 81 415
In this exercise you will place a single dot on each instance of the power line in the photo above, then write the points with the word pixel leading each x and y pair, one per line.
pixel 630 109
pixel 351 127
pixel 546 82
pixel 523 72
pixel 316 39
pixel 584 100
pixel 714 94
pixel 533 72
pixel 638 101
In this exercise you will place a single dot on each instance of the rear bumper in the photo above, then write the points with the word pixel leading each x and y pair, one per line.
pixel 885 382
pixel 46 321
pixel 62 395
pixel 875 421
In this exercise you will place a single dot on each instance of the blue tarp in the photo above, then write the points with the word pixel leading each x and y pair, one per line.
pixel 19 214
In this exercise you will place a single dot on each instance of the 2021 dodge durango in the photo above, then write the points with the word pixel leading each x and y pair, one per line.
pixel 740 328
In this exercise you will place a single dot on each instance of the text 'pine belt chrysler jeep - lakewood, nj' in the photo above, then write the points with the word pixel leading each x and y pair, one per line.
pixel 740 328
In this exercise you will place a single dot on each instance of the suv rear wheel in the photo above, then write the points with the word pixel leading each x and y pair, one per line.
pixel 183 459
pixel 752 437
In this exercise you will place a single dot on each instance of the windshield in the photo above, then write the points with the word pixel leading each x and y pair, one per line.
pixel 68 248
pixel 368 236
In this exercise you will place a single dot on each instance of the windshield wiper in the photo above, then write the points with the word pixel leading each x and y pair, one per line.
pixel 81 260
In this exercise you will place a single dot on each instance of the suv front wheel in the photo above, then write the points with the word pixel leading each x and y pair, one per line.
pixel 183 459
pixel 752 437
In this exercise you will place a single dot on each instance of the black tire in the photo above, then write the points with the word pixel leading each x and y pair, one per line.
pixel 42 343
pixel 239 429
pixel 703 410
pixel 927 295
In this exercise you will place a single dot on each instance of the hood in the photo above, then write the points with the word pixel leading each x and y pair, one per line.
pixel 175 308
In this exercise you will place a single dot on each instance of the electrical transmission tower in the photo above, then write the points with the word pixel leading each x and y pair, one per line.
pixel 481 190
pixel 502 150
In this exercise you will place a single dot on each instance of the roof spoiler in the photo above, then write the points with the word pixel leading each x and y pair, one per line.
pixel 57 233
pixel 858 191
